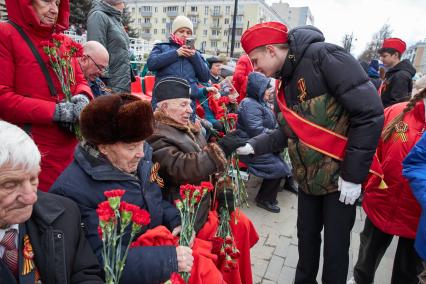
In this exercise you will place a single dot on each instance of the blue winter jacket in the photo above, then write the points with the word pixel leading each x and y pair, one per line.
pixel 254 118
pixel 87 178
pixel 414 169
pixel 165 61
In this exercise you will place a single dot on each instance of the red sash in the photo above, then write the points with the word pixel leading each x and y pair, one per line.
pixel 330 144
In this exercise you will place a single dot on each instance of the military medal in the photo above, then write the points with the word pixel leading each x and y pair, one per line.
pixel 29 264
pixel 400 130
pixel 154 177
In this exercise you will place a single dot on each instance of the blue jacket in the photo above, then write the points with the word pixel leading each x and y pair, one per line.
pixel 85 181
pixel 414 169
pixel 254 118
pixel 165 61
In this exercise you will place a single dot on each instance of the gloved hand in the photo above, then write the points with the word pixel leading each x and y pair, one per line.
pixel 349 192
pixel 224 200
pixel 230 142
pixel 245 150
pixel 80 102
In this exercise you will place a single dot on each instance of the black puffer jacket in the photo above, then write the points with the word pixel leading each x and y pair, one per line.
pixel 398 83
pixel 339 97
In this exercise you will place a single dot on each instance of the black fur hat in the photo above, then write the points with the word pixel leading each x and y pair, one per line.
pixel 171 88
pixel 116 118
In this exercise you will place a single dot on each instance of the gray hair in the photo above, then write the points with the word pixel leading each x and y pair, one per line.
pixel 17 149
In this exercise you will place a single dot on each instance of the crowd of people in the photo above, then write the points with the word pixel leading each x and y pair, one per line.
pixel 347 129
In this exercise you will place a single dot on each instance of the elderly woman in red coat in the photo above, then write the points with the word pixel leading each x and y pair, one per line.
pixel 393 211
pixel 25 97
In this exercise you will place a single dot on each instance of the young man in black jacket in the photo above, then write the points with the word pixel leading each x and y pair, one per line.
pixel 330 117
pixel 398 79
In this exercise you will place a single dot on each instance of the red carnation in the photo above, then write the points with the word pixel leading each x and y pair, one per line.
pixel 141 217
pixel 100 232
pixel 105 212
pixel 235 254
pixel 175 278
pixel 114 193
pixel 124 206
pixel 76 49
pixel 223 100
pixel 58 37
pixel 232 116
pixel 207 185
pixel 228 240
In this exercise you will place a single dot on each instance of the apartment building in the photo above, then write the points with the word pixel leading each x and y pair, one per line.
pixel 417 55
pixel 3 12
pixel 295 16
pixel 212 20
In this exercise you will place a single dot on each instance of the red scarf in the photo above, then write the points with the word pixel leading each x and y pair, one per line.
pixel 177 40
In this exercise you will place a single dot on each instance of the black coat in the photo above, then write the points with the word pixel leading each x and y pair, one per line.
pixel 62 253
pixel 85 181
pixel 398 83
pixel 327 69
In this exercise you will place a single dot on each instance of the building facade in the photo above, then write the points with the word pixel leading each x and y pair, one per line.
pixel 3 12
pixel 295 16
pixel 212 20
pixel 417 56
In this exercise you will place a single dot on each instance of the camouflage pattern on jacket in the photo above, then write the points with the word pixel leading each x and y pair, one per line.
pixel 316 173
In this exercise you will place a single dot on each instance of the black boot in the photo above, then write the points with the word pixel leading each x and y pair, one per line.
pixel 290 185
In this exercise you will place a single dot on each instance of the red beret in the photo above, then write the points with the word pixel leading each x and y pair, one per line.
pixel 395 43
pixel 264 34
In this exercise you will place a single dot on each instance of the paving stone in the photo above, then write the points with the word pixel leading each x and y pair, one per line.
pixel 292 256
pixel 260 266
pixel 282 247
pixel 257 279
pixel 273 240
pixel 262 252
pixel 287 275
pixel 266 281
pixel 274 268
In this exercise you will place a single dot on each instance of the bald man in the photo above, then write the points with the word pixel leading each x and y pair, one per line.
pixel 94 63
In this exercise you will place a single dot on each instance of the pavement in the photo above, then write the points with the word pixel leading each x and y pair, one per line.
pixel 274 257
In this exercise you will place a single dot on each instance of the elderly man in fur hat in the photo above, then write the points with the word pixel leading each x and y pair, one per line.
pixel 185 157
pixel 114 155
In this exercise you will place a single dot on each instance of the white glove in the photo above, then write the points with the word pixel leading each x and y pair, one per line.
pixel 349 192
pixel 245 150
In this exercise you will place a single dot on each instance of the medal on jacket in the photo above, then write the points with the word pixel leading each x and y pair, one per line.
pixel 400 130
pixel 29 265
pixel 301 86
pixel 154 177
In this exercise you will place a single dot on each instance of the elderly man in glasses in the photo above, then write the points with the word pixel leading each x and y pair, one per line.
pixel 94 64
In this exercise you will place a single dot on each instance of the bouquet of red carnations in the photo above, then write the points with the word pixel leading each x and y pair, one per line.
pixel 115 218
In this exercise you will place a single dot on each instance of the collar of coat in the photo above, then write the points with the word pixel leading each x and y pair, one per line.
pixel 47 209
pixel 161 117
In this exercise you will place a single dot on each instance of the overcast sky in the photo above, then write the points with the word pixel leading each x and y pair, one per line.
pixel 335 18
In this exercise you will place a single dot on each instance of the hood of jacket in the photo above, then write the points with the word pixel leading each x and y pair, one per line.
pixel 257 85
pixel 403 65
pixel 299 39
pixel 105 8
pixel 22 13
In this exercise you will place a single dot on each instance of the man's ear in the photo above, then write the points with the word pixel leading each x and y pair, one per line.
pixel 271 49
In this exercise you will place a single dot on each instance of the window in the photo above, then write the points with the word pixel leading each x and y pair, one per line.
pixel 206 10
pixel 164 20
pixel 225 44
pixel 193 19
pixel 156 20
pixel 215 23
pixel 183 9
pixel 216 10
pixel 194 8
pixel 213 43
pixel 239 19
pixel 204 32
pixel 215 32
pixel 173 9
pixel 147 31
pixel 155 31
pixel 205 21
pixel 147 8
pixel 133 10
pixel 139 21
pixel 227 10
pixel 156 9
pixel 226 21
pixel 140 10
pixel 163 31
pixel 164 9
pixel 237 45
pixel 238 32
pixel 147 20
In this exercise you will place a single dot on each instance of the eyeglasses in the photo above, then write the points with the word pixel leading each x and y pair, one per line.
pixel 101 69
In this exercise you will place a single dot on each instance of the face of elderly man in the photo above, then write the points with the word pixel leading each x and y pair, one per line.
pixel 178 109
pixel 19 170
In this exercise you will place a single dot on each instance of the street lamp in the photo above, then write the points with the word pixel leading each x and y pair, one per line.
pixel 234 25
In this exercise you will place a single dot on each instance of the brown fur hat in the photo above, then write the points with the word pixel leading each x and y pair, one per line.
pixel 116 118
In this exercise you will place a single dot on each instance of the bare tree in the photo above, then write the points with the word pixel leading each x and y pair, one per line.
pixel 347 42
pixel 376 43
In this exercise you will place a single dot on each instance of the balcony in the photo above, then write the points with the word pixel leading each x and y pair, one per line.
pixel 192 13
pixel 146 13
pixel 146 25
pixel 216 26
pixel 146 36
pixel 216 14
pixel 172 13
pixel 239 25
pixel 215 37
pixel 195 25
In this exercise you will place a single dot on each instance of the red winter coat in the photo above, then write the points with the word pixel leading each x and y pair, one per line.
pixel 25 99
pixel 240 77
pixel 394 210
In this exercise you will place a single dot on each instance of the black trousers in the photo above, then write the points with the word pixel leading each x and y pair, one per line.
pixel 314 213
pixel 406 265
pixel 268 190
